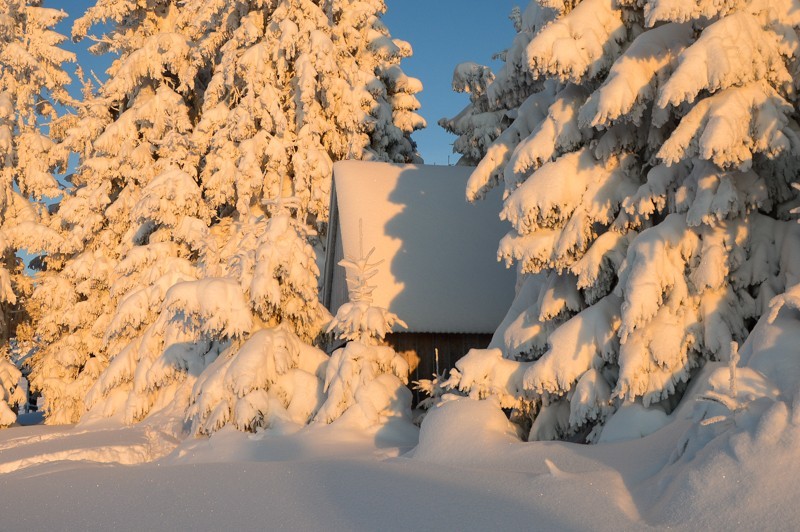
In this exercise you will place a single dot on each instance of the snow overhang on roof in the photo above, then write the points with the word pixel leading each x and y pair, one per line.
pixel 440 271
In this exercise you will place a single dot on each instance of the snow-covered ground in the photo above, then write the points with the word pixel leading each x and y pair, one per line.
pixel 726 459
pixel 465 470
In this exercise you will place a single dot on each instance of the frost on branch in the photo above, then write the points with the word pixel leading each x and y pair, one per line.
pixel 490 168
pixel 213 306
pixel 731 52
pixel 556 220
pixel 283 285
pixel 485 372
pixel 635 77
pixel 522 333
pixel 554 135
pixel 582 342
pixel 472 78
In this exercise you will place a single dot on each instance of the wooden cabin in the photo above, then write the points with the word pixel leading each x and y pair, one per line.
pixel 440 272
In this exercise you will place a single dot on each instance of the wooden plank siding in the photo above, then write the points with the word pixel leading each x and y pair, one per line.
pixel 419 350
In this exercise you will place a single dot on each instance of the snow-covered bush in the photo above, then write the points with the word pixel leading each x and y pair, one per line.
pixel 364 381
pixel 647 175
pixel 199 320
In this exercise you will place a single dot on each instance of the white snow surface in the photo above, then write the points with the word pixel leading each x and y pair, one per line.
pixel 440 272
pixel 699 468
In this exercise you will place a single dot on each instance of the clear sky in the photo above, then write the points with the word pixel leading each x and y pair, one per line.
pixel 443 33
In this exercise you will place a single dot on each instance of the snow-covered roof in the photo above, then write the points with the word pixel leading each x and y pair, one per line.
pixel 440 272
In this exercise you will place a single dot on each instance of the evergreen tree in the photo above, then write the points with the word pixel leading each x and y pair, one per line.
pixel 32 83
pixel 647 177
pixel 312 83
pixel 128 223
pixel 298 87
pixel 213 111
pixel 269 371
pixel 364 381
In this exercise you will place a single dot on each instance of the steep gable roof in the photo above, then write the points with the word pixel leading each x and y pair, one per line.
pixel 440 272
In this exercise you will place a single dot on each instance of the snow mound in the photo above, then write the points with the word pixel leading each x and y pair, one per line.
pixel 735 466
pixel 632 421
pixel 458 431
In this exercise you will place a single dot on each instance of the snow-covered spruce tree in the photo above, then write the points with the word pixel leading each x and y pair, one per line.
pixel 200 228
pixel 271 371
pixel 299 85
pixel 647 175
pixel 32 83
pixel 364 381
pixel 493 100
pixel 132 222
pixel 276 374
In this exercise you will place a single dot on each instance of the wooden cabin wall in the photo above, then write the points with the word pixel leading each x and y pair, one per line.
pixel 419 350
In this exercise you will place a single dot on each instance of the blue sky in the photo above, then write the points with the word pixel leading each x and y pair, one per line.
pixel 443 34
